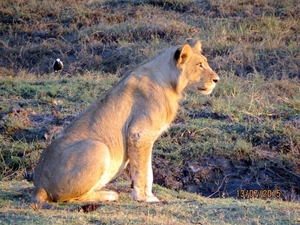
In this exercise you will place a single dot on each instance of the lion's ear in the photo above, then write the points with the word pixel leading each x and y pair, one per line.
pixel 195 44
pixel 183 55
pixel 198 47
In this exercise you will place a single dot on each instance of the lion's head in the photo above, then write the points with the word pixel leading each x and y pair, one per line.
pixel 195 68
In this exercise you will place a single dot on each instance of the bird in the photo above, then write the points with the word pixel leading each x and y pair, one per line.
pixel 57 65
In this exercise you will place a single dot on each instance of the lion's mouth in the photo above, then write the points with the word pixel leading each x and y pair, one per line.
pixel 205 91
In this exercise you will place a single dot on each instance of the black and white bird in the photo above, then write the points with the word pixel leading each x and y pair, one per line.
pixel 57 65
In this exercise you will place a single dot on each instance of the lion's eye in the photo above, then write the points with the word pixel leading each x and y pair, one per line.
pixel 200 65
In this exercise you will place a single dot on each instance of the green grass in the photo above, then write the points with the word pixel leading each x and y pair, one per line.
pixel 35 109
pixel 249 126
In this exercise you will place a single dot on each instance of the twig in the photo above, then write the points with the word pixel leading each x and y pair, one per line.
pixel 218 187
pixel 285 169
pixel 252 115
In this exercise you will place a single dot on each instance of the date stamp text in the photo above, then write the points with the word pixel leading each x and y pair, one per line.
pixel 263 194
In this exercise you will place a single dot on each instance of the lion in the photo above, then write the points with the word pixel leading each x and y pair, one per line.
pixel 120 128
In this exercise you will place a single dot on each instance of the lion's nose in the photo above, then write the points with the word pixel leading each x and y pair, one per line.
pixel 215 80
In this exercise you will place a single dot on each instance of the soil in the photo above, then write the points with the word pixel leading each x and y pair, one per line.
pixel 218 176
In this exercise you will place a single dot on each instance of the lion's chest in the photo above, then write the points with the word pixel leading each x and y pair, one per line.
pixel 163 129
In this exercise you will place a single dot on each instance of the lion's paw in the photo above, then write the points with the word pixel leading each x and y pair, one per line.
pixel 152 199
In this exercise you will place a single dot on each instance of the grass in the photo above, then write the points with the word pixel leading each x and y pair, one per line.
pixel 176 208
pixel 244 134
pixel 36 109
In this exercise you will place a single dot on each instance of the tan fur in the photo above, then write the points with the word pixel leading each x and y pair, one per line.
pixel 119 128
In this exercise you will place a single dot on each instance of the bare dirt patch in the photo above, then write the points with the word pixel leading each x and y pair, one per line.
pixel 219 176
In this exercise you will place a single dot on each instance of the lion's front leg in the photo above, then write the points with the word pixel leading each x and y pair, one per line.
pixel 139 153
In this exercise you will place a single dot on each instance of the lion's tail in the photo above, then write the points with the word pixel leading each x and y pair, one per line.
pixel 28 176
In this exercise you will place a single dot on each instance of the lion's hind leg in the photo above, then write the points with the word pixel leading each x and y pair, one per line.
pixel 39 199
pixel 96 196
pixel 74 173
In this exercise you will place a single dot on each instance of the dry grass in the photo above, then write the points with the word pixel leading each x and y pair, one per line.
pixel 242 37
pixel 176 208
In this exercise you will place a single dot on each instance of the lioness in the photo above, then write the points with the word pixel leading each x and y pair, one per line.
pixel 120 128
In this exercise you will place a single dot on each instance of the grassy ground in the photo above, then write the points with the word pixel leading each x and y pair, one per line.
pixel 176 208
pixel 246 135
